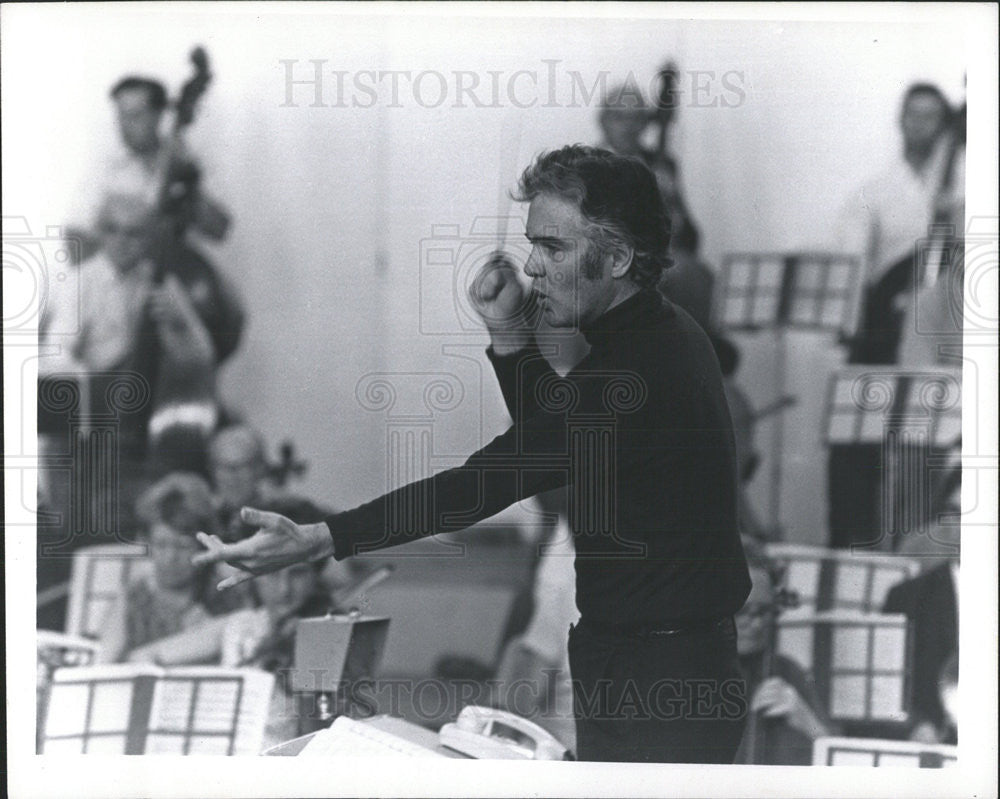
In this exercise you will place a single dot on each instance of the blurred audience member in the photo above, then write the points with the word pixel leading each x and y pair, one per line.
pixel 790 713
pixel 173 597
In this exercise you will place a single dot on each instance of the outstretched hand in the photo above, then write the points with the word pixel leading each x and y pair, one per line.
pixel 278 543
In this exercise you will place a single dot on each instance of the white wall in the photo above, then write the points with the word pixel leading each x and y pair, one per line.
pixel 332 204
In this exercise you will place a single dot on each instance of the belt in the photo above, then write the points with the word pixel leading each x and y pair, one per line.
pixel 693 627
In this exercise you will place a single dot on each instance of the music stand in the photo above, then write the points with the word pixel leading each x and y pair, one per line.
pixel 835 751
pixel 896 410
pixel 136 709
pixel 833 579
pixel 861 662
pixel 781 291
pixel 333 653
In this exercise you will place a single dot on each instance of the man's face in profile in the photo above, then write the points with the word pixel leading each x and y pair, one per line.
pixel 570 274
pixel 922 121
pixel 138 121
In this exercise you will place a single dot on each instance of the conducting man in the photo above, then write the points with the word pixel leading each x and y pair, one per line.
pixel 639 430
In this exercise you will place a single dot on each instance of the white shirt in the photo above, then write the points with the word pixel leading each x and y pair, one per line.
pixel 888 216
pixel 92 315
pixel 124 173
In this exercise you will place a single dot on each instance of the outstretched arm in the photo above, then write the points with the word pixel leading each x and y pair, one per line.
pixel 524 461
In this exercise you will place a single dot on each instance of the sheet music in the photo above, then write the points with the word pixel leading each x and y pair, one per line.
pixel 89 708
pixel 867 660
pixel 836 751
pixel 203 717
pixel 859 582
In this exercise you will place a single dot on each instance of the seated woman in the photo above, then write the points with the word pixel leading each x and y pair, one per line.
pixel 789 713
pixel 173 597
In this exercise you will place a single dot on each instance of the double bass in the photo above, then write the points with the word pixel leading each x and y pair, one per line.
pixel 183 395
pixel 660 159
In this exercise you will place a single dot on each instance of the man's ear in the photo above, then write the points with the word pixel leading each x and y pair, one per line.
pixel 622 256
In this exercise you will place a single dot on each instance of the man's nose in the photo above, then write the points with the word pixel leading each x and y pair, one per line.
pixel 533 266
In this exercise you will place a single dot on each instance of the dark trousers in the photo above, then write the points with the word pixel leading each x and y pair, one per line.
pixel 657 698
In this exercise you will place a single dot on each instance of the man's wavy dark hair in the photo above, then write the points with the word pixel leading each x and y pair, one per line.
pixel 617 195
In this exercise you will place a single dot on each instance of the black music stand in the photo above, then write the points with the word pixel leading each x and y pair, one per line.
pixel 781 291
pixel 910 416
pixel 333 653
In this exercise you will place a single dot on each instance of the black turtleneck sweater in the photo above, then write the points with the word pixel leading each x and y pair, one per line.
pixel 640 430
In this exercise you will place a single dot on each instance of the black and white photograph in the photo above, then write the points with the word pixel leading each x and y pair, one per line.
pixel 500 399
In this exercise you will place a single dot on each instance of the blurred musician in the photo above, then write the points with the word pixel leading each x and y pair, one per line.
pixel 92 320
pixel 894 223
pixel 537 657
pixel 140 104
pixel 787 714
pixel 892 219
pixel 158 175
pixel 238 466
pixel 626 119
pixel 930 602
